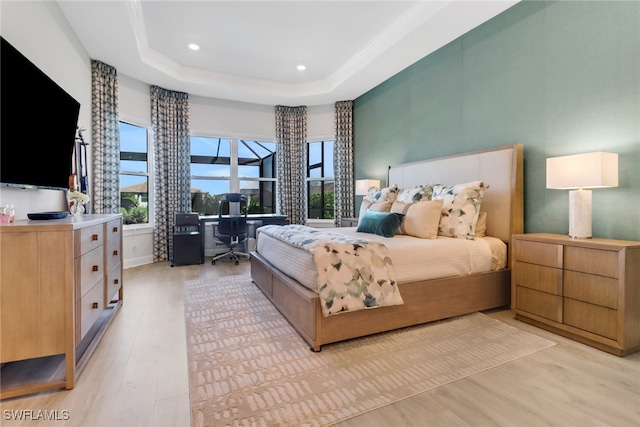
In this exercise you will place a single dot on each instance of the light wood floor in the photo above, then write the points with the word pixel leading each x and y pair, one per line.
pixel 138 375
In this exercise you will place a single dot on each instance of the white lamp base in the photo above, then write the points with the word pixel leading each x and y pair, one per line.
pixel 580 214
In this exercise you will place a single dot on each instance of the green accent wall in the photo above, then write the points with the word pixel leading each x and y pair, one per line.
pixel 560 78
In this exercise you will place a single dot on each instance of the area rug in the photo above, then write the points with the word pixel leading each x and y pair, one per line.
pixel 249 367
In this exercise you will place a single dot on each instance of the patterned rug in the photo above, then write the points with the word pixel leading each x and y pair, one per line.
pixel 248 366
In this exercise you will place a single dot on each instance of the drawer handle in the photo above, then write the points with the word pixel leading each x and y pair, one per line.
pixel 94 305
pixel 94 237
pixel 95 268
pixel 115 253
pixel 116 281
pixel 115 229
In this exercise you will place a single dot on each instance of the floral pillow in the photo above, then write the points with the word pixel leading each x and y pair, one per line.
pixel 460 208
pixel 415 194
pixel 375 194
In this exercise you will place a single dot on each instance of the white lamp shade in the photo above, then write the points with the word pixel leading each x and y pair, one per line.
pixel 363 185
pixel 589 170
pixel 580 173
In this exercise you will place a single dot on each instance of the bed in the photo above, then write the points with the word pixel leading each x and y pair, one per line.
pixel 427 296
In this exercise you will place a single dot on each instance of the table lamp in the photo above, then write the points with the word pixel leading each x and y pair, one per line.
pixel 579 173
pixel 363 185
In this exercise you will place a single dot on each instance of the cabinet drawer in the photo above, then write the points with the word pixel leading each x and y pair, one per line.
pixel 592 261
pixel 592 318
pixel 113 229
pixel 541 278
pixel 539 303
pixel 113 254
pixel 546 254
pixel 89 238
pixel 91 307
pixel 89 270
pixel 114 282
pixel 591 288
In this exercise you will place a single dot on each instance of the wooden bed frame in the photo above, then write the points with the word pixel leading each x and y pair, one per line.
pixel 427 300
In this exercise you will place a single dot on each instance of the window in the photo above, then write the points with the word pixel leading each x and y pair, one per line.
pixel 220 165
pixel 320 180
pixel 134 174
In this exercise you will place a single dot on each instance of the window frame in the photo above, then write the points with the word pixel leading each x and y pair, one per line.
pixel 259 179
pixel 322 178
pixel 149 174
pixel 234 179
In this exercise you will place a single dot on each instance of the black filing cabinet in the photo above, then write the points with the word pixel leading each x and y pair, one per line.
pixel 187 240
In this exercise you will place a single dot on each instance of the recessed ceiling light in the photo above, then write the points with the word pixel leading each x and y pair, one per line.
pixel 193 46
pixel 301 67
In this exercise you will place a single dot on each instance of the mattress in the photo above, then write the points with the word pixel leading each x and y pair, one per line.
pixel 413 258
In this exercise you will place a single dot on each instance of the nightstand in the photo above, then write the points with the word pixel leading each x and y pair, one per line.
pixel 584 289
pixel 348 222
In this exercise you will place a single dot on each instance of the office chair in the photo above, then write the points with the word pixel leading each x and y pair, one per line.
pixel 232 226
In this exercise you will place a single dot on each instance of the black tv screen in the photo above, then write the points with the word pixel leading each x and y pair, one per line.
pixel 38 121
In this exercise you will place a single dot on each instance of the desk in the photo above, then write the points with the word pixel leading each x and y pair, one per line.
pixel 253 222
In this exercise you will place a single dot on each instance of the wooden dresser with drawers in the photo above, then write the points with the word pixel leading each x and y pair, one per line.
pixel 61 285
pixel 584 289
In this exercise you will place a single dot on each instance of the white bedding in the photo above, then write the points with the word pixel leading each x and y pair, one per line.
pixel 413 258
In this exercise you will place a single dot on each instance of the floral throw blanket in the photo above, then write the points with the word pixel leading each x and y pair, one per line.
pixel 353 274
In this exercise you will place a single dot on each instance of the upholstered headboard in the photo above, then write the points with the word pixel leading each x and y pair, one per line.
pixel 500 167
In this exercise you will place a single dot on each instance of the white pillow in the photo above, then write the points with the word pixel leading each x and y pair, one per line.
pixel 377 207
pixel 421 219
pixel 481 225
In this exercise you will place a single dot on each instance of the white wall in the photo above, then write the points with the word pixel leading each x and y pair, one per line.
pixel 134 103
pixel 39 30
pixel 229 119
pixel 41 33
pixel 222 118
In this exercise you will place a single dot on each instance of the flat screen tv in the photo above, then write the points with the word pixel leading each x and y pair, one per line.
pixel 38 122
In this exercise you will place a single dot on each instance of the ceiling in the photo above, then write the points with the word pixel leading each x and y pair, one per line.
pixel 249 50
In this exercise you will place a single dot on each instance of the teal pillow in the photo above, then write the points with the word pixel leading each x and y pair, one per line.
pixel 381 223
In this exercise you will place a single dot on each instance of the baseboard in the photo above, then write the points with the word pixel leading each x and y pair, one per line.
pixel 135 262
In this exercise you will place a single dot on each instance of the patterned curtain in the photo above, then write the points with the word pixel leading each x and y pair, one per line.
pixel 291 146
pixel 105 137
pixel 171 149
pixel 343 161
